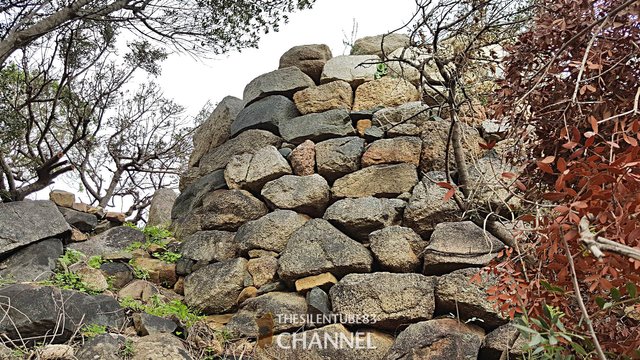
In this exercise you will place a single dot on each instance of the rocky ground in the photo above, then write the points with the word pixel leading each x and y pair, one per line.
pixel 314 194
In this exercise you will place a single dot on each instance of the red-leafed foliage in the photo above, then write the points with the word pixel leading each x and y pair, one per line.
pixel 571 89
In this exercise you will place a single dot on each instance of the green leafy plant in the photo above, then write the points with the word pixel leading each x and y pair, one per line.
pixel 158 307
pixel 167 256
pixel 93 330
pixel 95 261
pixel 381 70
pixel 70 281
pixel 157 235
pixel 70 257
pixel 138 272
pixel 127 351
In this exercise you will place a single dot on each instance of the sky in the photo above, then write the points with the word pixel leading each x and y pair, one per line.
pixel 192 82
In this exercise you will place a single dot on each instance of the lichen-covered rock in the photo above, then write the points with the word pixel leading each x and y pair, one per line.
pixel 458 245
pixel 264 114
pixel 359 217
pixel 377 180
pixel 244 323
pixel 397 249
pixel 17 219
pixel 111 241
pixel 263 270
pixel 191 197
pixel 427 207
pixel 35 262
pixel 215 130
pixel 354 69
pixel 308 58
pixel 403 149
pixel 384 92
pixel 270 232
pixel 457 293
pixel 303 159
pixel 246 142
pixel 404 62
pixel 317 126
pixel 504 338
pixel 160 208
pixel 318 247
pixel 147 324
pixel 404 120
pixel 392 300
pixel 368 344
pixel 160 272
pixel 251 171
pixel 160 346
pixel 489 187
pixel 214 288
pixel 305 194
pixel 435 135
pixel 209 246
pixel 62 198
pixel 338 157
pixel 373 45
pixel 102 347
pixel 439 339
pixel 229 209
pixel 79 220
pixel 284 81
pixel 329 96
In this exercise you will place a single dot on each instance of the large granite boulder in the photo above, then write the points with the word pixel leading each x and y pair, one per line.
pixel 251 171
pixel 215 130
pixel 458 245
pixel 405 120
pixel 329 96
pixel 359 217
pixel 318 247
pixel 374 45
pixel 244 323
pixel 303 159
pixel 102 347
pixel 459 293
pixel 403 149
pixel 438 339
pixel 506 338
pixel 45 312
pixel 317 126
pixel 285 81
pixel 159 346
pixel 427 207
pixel 80 220
pixel 113 240
pixel 377 180
pixel 397 249
pixel 384 92
pixel 392 300
pixel 490 188
pixel 264 114
pixel 308 58
pixel 17 219
pixel 270 232
pixel 306 194
pixel 215 288
pixel 246 142
pixel 160 208
pixel 191 197
pixel 229 209
pixel 209 246
pixel 354 69
pixel 435 134
pixel 34 262
pixel 339 157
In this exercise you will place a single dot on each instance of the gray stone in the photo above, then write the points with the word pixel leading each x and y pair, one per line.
pixel 504 338
pixel 35 262
pixel 373 133
pixel 159 346
pixel 435 135
pixel 102 347
pixel 214 288
pixel 263 270
pixel 318 301
pixel 317 126
pixel 308 58
pixel 489 188
pixel 284 81
pixel 354 69
pixel 318 247
pixel 359 217
pixel 404 62
pixel 285 152
pixel 439 339
pixel 110 241
pixel 371 345
pixel 427 207
pixel 147 324
pixel 244 322
pixel 374 45
pixel 270 232
pixel 392 300
pixel 119 274
pixel 329 96
pixel 264 114
pixel 38 311
pixel 403 149
pixel 414 113
pixel 457 293
pixel 209 246
pixel 228 209
pixel 306 194
pixel 160 208
pixel 397 249
pixel 193 194
pixel 338 157
pixel 252 171
pixel 215 130
pixel 377 180
pixel 458 245
pixel 17 219
pixel 247 142
pixel 79 220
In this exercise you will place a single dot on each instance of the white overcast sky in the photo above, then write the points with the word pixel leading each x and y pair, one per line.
pixel 192 82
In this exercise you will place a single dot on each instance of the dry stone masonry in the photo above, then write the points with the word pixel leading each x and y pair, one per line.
pixel 316 193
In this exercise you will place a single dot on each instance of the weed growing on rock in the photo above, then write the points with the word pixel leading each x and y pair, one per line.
pixel 93 330
pixel 158 307
pixel 95 261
